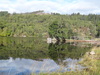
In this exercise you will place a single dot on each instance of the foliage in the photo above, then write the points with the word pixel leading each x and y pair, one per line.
pixel 53 25
pixel 57 29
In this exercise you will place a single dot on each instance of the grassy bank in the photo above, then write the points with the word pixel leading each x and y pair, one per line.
pixel 90 61
pixel 97 39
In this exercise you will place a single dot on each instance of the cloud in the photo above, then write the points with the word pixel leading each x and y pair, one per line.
pixel 82 7
pixel 60 6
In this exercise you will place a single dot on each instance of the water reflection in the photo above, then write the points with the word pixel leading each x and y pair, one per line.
pixel 23 48
pixel 67 56
pixel 27 66
pixel 23 56
pixel 65 50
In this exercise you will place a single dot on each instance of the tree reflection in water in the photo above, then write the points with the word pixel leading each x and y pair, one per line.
pixel 38 53
pixel 62 53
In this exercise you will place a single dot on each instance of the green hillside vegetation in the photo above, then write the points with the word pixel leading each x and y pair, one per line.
pixel 49 25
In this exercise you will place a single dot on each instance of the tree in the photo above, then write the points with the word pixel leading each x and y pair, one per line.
pixel 58 30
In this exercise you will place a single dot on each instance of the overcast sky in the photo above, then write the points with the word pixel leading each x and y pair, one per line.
pixel 59 6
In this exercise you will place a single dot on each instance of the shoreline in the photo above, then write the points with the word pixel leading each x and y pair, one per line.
pixel 92 62
pixel 50 40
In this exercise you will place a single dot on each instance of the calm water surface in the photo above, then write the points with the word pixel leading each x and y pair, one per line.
pixel 23 56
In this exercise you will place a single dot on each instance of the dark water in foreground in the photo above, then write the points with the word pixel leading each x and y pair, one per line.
pixel 23 56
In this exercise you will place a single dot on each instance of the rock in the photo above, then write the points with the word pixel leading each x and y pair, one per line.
pixel 23 35
pixel 54 39
pixel 49 40
pixel 92 53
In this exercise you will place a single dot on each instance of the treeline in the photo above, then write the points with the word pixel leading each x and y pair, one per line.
pixel 49 25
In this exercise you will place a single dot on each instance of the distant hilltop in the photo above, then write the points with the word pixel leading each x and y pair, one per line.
pixel 40 12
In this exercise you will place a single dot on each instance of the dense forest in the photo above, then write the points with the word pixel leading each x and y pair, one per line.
pixel 40 24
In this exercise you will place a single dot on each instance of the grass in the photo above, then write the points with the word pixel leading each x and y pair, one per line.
pixel 97 39
pixel 92 62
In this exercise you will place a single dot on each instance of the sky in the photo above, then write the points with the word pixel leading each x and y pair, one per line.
pixel 55 6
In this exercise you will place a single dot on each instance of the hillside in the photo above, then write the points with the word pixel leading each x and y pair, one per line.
pixel 49 25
